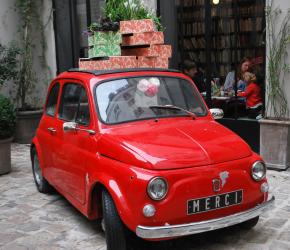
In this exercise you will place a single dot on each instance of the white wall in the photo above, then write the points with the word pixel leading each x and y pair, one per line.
pixel 9 27
pixel 284 5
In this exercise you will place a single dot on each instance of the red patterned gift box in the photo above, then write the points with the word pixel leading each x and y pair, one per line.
pixel 152 62
pixel 154 50
pixel 136 26
pixel 161 62
pixel 145 38
pixel 122 62
pixel 113 62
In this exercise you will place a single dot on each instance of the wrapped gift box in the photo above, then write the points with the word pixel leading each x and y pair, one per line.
pixel 152 62
pixel 105 37
pixel 137 26
pixel 146 38
pixel 114 62
pixel 153 50
pixel 103 50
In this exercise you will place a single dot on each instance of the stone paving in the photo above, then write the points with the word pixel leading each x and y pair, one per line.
pixel 30 220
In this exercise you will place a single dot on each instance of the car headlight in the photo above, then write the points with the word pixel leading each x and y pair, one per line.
pixel 258 170
pixel 157 188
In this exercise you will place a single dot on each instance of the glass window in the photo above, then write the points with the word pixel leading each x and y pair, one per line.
pixel 145 98
pixel 69 102
pixel 83 116
pixel 52 100
pixel 231 37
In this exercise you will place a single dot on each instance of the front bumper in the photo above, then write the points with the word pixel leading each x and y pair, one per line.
pixel 202 226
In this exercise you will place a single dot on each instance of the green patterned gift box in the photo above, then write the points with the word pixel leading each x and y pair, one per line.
pixel 105 50
pixel 101 37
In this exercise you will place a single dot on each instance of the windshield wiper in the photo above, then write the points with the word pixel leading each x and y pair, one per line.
pixel 174 108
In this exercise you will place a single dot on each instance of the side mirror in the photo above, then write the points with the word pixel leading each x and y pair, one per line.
pixel 217 113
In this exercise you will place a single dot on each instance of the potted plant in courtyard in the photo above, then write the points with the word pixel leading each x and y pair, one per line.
pixel 275 127
pixel 28 113
pixel 7 127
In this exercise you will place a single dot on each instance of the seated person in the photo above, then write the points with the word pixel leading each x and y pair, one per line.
pixel 190 69
pixel 253 95
pixel 244 66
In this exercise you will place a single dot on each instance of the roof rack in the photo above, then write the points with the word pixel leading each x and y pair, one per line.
pixel 113 71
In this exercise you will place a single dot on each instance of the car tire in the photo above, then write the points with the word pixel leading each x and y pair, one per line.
pixel 41 183
pixel 247 225
pixel 114 228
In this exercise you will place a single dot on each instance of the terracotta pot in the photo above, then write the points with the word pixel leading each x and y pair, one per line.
pixel 5 156
pixel 26 125
pixel 275 143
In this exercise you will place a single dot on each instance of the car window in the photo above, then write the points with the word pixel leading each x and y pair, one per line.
pixel 83 115
pixel 74 105
pixel 52 100
pixel 131 99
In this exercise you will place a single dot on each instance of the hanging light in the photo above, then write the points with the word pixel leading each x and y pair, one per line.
pixel 216 1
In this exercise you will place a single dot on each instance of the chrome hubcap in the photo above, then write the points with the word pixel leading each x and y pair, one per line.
pixel 37 171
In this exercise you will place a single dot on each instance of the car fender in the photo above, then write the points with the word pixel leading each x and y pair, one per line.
pixel 120 200
pixel 37 147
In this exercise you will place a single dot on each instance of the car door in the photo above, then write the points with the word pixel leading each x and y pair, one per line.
pixel 72 146
pixel 46 130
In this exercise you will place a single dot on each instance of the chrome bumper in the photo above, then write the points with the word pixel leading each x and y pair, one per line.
pixel 202 226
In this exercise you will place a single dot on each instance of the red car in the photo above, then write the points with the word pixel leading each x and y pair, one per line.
pixel 140 149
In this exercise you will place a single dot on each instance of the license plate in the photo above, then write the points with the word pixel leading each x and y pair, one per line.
pixel 214 202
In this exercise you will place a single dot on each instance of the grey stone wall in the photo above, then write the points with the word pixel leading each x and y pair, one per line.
pixel 9 26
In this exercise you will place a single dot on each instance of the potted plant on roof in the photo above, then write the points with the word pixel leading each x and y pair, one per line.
pixel 28 113
pixel 8 63
pixel 275 127
pixel 133 16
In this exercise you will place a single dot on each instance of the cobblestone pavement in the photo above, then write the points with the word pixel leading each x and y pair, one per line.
pixel 30 220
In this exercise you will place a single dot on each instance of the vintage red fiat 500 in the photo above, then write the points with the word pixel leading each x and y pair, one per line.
pixel 140 149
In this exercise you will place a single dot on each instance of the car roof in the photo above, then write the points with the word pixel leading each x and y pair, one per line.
pixel 87 75
pixel 114 71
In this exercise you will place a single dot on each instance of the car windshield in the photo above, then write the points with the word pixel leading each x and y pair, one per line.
pixel 132 99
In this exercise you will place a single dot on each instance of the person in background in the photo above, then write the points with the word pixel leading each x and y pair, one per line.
pixel 244 67
pixel 190 69
pixel 253 95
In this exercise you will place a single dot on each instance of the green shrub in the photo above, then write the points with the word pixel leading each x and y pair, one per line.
pixel 8 62
pixel 120 10
pixel 7 118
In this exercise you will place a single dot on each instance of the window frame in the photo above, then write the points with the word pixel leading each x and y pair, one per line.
pixel 78 103
pixel 57 101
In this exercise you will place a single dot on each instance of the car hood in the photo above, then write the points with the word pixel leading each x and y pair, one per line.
pixel 161 145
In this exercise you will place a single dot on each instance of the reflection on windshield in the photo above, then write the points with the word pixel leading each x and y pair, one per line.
pixel 130 99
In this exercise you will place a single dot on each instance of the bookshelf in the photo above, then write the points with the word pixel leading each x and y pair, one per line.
pixel 236 31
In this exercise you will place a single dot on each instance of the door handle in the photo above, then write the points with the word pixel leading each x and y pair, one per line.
pixel 51 130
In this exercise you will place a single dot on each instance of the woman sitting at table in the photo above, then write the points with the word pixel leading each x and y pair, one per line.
pixel 253 96
pixel 244 66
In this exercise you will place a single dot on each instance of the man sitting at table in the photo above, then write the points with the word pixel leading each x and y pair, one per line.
pixel 190 69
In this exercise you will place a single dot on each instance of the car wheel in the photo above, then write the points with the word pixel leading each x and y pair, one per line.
pixel 249 223
pixel 41 183
pixel 113 226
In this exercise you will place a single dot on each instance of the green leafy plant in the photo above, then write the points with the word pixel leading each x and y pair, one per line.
pixel 8 62
pixel 120 10
pixel 7 118
pixel 278 40
pixel 30 23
